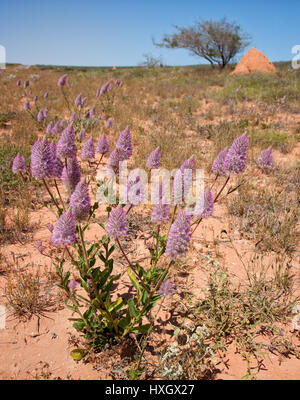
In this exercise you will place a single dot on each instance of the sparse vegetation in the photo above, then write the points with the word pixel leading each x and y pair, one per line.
pixel 184 111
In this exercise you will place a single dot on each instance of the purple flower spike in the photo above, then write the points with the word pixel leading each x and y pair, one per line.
pixel 88 150
pixel 135 190
pixel 265 160
pixel 35 98
pixel 119 83
pixel 46 95
pixel 104 88
pixel 98 93
pixel 62 80
pixel 160 213
pixel 235 160
pixel 205 205
pixel 18 164
pixel 182 184
pixel 179 236
pixel 66 144
pixel 40 116
pixel 41 160
pixel 166 288
pixel 26 84
pixel 189 163
pixel 116 225
pixel 124 144
pixel 114 160
pixel 71 175
pixel 50 127
pixel 78 100
pixel 57 164
pixel 80 201
pixel 153 161
pixel 73 118
pixel 19 83
pixel 103 145
pixel 218 166
pixel 27 105
pixel 64 231
pixel 56 128
pixel 92 111
pixel 108 123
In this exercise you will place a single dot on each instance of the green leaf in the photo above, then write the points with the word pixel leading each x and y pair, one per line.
pixel 68 305
pixel 132 277
pixel 116 306
pixel 77 354
pixel 124 322
pixel 142 329
pixel 132 309
pixel 79 325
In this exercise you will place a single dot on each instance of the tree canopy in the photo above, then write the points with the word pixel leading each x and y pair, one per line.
pixel 216 41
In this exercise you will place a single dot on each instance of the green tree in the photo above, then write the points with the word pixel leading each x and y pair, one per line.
pixel 216 41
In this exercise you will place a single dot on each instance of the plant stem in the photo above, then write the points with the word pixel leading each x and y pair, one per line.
pixel 197 226
pixel 51 195
pixel 99 161
pixel 55 183
pixel 222 188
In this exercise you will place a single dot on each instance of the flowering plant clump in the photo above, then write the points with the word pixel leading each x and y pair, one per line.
pixel 101 314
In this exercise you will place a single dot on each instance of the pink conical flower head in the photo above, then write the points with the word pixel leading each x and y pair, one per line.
pixel 153 160
pixel 64 230
pixel 66 144
pixel 179 236
pixel 103 145
pixel 218 166
pixel 235 160
pixel 124 144
pixel 88 150
pixel 116 226
pixel 18 164
pixel 41 160
pixel 265 159
pixel 80 201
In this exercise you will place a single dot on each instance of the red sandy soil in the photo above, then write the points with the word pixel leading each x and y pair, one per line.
pixel 39 348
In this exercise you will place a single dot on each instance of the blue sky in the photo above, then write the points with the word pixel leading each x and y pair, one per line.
pixel 119 32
